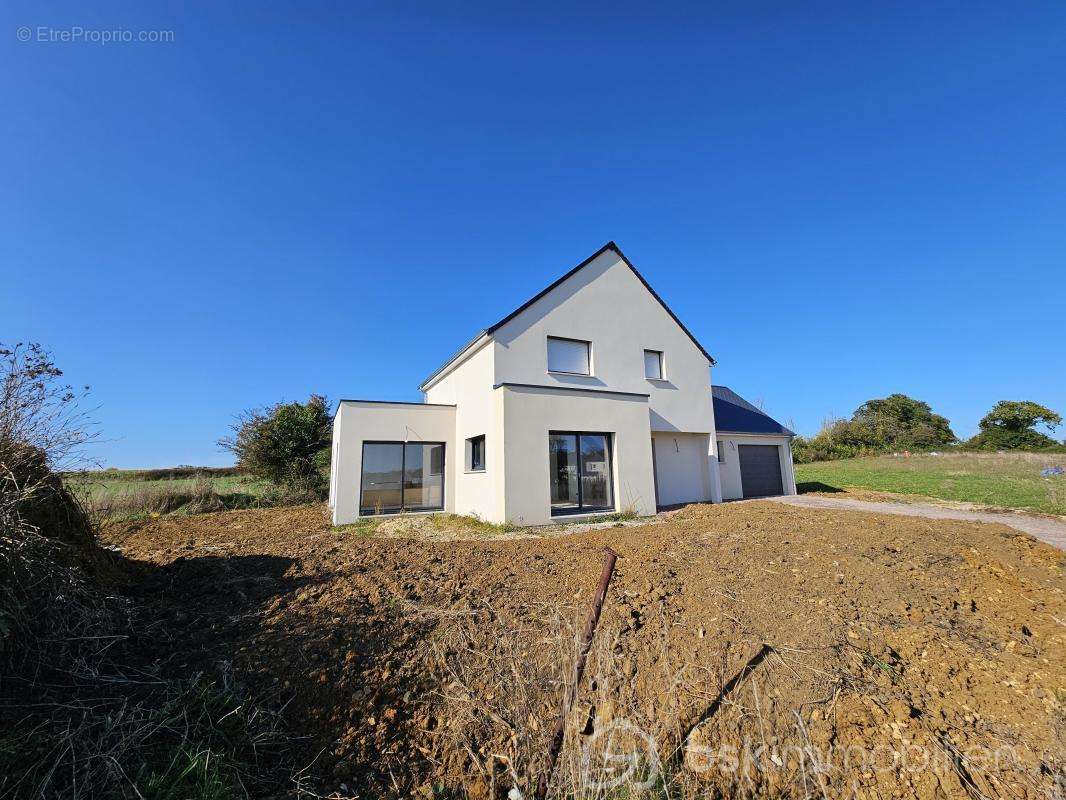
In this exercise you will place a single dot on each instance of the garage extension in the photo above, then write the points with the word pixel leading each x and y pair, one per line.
pixel 754 450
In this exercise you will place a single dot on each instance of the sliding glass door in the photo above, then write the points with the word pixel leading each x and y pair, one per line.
pixel 399 477
pixel 579 466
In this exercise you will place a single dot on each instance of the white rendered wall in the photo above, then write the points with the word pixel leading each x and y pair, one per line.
pixel 469 387
pixel 682 468
pixel 529 414
pixel 359 421
pixel 729 468
pixel 605 303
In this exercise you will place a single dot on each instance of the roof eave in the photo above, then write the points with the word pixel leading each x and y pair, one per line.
pixel 447 366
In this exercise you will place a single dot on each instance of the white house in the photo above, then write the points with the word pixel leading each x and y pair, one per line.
pixel 591 397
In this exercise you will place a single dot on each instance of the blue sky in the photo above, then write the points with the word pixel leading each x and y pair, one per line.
pixel 297 198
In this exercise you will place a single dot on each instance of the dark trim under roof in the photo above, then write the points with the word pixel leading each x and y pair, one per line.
pixel 562 388
pixel 391 403
pixel 609 246
pixel 734 414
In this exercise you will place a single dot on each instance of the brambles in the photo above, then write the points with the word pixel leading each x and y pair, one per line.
pixel 86 708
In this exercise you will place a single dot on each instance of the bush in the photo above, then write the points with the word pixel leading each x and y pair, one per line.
pixel 287 444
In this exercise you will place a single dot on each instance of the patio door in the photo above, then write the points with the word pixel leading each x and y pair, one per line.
pixel 398 477
pixel 579 467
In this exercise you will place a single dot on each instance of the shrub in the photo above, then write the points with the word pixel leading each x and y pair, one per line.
pixel 287 444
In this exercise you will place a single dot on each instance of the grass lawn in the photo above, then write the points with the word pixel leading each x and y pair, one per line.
pixel 1009 480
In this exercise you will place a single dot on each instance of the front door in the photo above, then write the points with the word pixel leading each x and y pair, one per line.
pixel 680 464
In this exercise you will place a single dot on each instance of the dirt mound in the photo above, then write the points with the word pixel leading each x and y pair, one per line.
pixel 748 649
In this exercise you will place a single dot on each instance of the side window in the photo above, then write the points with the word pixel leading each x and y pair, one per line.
pixel 653 365
pixel 475 454
pixel 721 452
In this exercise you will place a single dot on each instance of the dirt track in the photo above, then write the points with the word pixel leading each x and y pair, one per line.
pixel 837 654
pixel 1043 527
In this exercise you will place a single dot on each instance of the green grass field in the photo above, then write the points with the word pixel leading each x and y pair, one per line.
pixel 1009 480
pixel 116 493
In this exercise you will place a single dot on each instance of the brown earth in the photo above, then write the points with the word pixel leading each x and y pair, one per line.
pixel 745 650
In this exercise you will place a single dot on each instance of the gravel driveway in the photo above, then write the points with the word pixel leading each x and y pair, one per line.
pixel 1047 529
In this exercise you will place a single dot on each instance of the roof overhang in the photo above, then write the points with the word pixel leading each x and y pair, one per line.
pixel 460 356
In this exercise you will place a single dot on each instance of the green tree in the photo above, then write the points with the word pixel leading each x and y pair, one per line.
pixel 1010 425
pixel 896 422
pixel 287 443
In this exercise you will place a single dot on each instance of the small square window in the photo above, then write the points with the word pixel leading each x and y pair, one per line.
pixel 653 365
pixel 568 355
pixel 475 454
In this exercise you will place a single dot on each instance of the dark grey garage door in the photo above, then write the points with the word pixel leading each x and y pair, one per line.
pixel 760 470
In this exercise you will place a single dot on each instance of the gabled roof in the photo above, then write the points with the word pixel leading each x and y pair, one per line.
pixel 734 414
pixel 487 332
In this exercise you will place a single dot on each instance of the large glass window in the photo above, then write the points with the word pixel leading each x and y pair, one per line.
pixel 579 467
pixel 568 355
pixel 382 477
pixel 401 477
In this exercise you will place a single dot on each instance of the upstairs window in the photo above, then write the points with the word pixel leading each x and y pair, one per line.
pixel 475 454
pixel 568 355
pixel 653 365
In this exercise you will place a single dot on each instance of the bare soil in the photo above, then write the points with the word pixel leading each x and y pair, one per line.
pixel 745 650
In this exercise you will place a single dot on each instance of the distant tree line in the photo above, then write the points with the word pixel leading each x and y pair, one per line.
pixel 900 423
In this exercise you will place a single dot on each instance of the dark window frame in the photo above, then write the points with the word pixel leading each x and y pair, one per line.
pixel 471 442
pixel 403 469
pixel 662 369
pixel 721 453
pixel 588 356
pixel 569 512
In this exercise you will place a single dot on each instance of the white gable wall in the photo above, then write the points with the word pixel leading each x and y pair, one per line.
pixel 469 388
pixel 607 304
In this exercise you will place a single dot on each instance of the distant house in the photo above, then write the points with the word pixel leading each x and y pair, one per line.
pixel 591 397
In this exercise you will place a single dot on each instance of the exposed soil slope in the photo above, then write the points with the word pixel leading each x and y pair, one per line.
pixel 831 653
